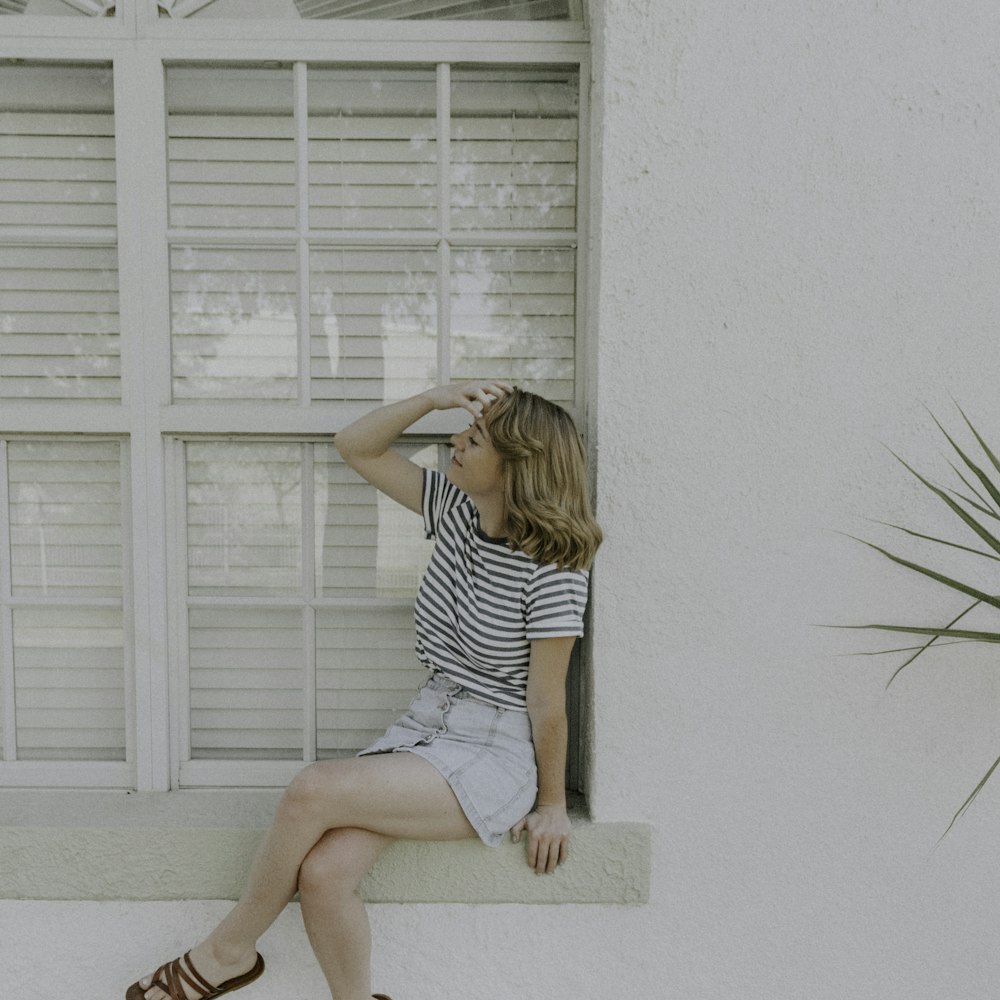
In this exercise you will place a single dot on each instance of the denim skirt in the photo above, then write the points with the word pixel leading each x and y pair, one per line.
pixel 483 751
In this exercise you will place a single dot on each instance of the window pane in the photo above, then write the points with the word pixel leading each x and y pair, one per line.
pixel 513 150
pixel 65 518
pixel 366 544
pixel 366 674
pixel 505 10
pixel 246 683
pixel 244 518
pixel 372 149
pixel 231 148
pixel 513 318
pixel 234 323
pixel 58 8
pixel 59 323
pixel 69 683
pixel 374 323
pixel 58 293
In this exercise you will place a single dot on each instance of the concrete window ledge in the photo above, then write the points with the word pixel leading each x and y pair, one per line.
pixel 77 845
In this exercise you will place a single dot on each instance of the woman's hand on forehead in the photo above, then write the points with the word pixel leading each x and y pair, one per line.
pixel 476 397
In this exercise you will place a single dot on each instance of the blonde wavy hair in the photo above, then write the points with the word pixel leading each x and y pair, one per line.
pixel 546 502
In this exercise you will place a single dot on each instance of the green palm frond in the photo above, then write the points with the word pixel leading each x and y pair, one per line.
pixel 981 499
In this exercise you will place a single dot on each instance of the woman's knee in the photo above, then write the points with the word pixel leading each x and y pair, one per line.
pixel 313 791
pixel 339 861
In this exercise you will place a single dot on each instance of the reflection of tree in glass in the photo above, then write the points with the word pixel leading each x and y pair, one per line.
pixel 245 517
pixel 513 318
pixel 235 331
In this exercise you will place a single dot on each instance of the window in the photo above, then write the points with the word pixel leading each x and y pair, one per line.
pixel 209 262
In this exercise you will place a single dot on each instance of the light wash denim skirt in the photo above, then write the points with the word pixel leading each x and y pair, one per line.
pixel 483 751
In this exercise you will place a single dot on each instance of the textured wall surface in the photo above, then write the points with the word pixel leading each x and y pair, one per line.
pixel 795 233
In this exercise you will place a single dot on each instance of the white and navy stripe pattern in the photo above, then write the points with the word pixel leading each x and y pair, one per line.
pixel 480 604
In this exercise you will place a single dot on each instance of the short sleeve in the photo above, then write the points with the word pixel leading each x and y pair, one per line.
pixel 555 601
pixel 438 497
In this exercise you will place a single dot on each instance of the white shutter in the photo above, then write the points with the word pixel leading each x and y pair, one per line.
pixel 65 518
pixel 512 317
pixel 66 546
pixel 513 151
pixel 231 148
pixel 244 518
pixel 69 683
pixel 374 323
pixel 58 302
pixel 367 546
pixel 234 323
pixel 366 674
pixel 246 677
pixel 372 150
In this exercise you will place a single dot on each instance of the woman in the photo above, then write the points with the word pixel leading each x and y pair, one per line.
pixel 482 748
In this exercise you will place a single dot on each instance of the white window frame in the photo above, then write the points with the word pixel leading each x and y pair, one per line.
pixel 139 45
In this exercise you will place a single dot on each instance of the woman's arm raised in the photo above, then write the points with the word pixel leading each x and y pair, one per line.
pixel 366 444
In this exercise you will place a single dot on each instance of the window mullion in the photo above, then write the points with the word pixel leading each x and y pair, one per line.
pixel 301 92
pixel 444 220
pixel 144 309
pixel 309 611
pixel 7 706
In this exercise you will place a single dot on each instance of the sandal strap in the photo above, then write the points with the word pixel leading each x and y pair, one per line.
pixel 171 979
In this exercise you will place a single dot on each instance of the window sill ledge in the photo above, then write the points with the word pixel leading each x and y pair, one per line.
pixel 76 845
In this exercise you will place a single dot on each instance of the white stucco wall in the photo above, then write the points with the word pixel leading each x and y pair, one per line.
pixel 796 240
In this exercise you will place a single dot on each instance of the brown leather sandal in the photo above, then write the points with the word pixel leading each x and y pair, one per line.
pixel 171 979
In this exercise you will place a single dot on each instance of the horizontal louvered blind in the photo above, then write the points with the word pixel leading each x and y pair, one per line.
pixel 366 674
pixel 58 262
pixel 231 148
pixel 513 151
pixel 244 512
pixel 66 559
pixel 234 322
pixel 246 677
pixel 65 518
pixel 374 323
pixel 513 316
pixel 372 150
pixel 257 614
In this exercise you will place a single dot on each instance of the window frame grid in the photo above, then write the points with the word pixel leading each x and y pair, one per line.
pixel 188 772
pixel 54 773
pixel 305 240
pixel 145 417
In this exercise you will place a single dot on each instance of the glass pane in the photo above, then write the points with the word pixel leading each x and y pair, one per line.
pixel 366 675
pixel 65 518
pixel 231 148
pixel 513 149
pixel 69 683
pixel 366 544
pixel 374 323
pixel 58 296
pixel 59 8
pixel 57 146
pixel 246 669
pixel 500 10
pixel 513 318
pixel 372 150
pixel 244 518
pixel 59 323
pixel 233 323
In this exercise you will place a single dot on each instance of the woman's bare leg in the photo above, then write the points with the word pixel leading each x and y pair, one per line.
pixel 397 795
pixel 333 912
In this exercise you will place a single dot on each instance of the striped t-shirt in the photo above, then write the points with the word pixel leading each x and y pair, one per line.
pixel 480 604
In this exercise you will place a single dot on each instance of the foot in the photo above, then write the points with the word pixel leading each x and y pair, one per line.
pixel 209 965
